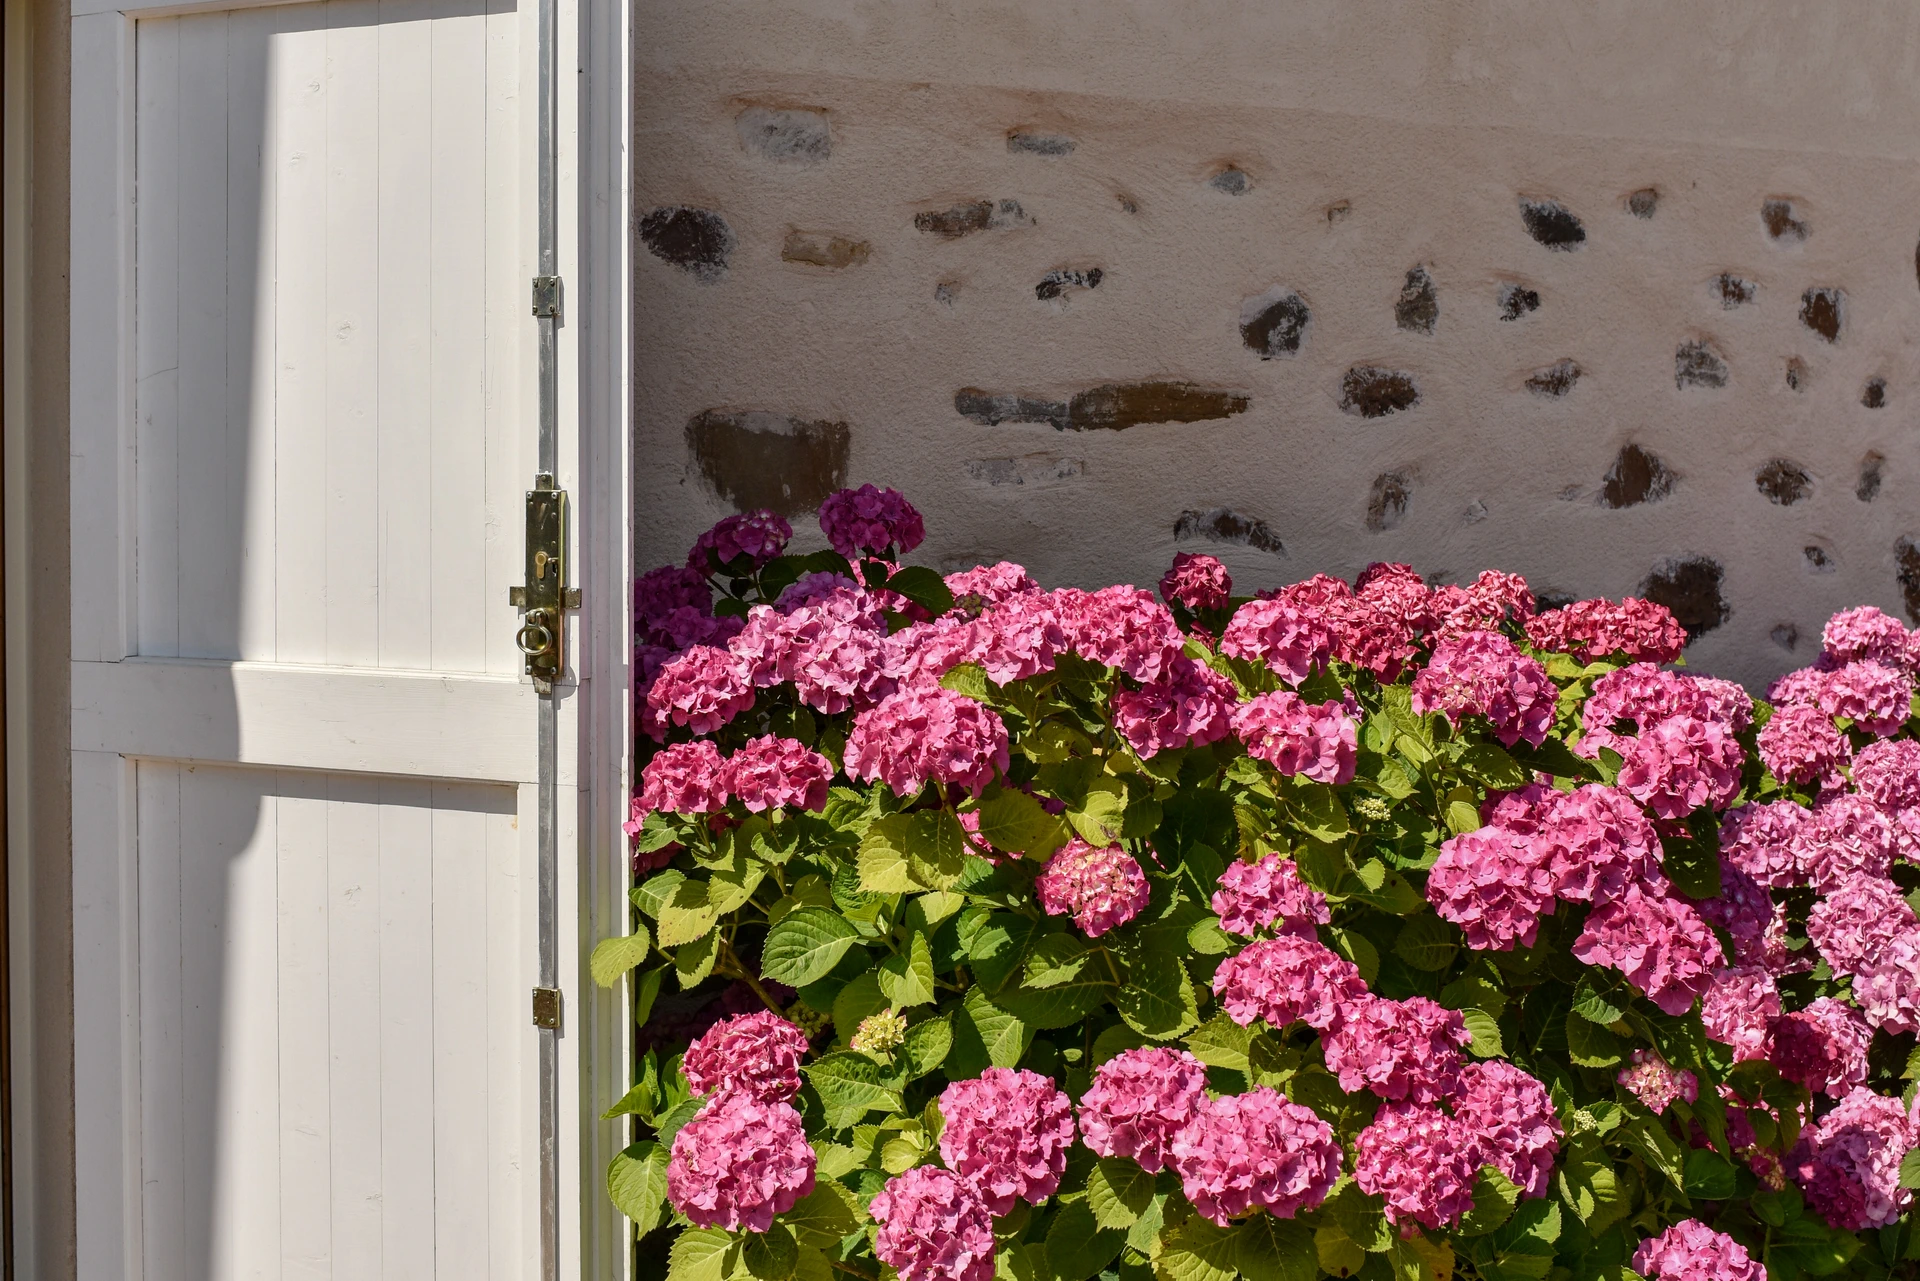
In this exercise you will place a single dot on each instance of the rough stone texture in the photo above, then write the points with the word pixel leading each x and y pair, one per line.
pixel 1232 180
pixel 823 249
pixel 1732 291
pixel 1783 481
pixel 1871 468
pixel 1111 407
pixel 1516 300
pixel 697 241
pixel 1698 364
pixel 1058 282
pixel 1643 203
pixel 1797 373
pixel 1387 503
pixel 1823 309
pixel 1782 223
pixel 1690 586
pixel 786 136
pixel 1039 144
pixel 975 215
pixel 1552 224
pixel 1636 477
pixel 1906 556
pixel 1874 395
pixel 1555 380
pixel 1275 323
pixel 1373 392
pixel 1418 307
pixel 1224 525
pixel 750 458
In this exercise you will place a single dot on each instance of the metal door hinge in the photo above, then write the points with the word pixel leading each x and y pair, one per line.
pixel 546 296
pixel 546 1007
pixel 545 597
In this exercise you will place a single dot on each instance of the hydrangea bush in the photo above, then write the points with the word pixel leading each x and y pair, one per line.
pixel 1379 929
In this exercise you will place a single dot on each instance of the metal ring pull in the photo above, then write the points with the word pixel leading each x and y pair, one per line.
pixel 533 628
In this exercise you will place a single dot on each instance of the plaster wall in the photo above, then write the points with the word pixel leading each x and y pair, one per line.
pixel 871 230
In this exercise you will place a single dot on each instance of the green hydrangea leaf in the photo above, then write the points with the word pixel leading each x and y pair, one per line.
pixel 1118 1192
pixel 637 1184
pixel 613 957
pixel 806 945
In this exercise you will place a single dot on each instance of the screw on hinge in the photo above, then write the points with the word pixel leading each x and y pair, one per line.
pixel 546 1007
pixel 546 296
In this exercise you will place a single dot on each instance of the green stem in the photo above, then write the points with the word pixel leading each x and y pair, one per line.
pixel 734 969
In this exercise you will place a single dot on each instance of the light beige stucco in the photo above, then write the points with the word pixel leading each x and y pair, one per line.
pixel 1430 122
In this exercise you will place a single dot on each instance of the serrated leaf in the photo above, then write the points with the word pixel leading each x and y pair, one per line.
pixel 1061 1004
pixel 823 1216
pixel 810 1264
pixel 613 957
pixel 1656 1147
pixel 927 1045
pixel 1462 817
pixel 1601 996
pixel 924 587
pixel 645 991
pixel 1321 814
pixel 1589 1044
pixel 693 962
pixel 969 679
pixel 1221 1043
pixel 1910 1169
pixel 1337 1254
pixel 853 1003
pixel 1012 820
pixel 637 1185
pixel 907 981
pixel 770 1255
pixel 1118 1192
pixel 1707 1176
pixel 700 1254
pixel 1270 1249
pixel 1158 999
pixel 658 891
pixel 984 1035
pixel 1078 1246
pixel 1056 959
pixel 686 915
pixel 850 1086
pixel 1494 1197
pixel 1207 938
pixel 1485 1030
pixel 1589 1186
pixel 1491 766
pixel 642 1099
pixel 806 945
pixel 1361 1216
pixel 1359 949
pixel 1427 943
pixel 1197 1251
pixel 1101 816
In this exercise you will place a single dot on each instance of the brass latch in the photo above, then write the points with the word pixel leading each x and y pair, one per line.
pixel 546 1007
pixel 546 597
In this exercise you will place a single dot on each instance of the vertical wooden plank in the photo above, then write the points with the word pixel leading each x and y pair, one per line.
pixel 351 227
pixel 510 410
pixel 163 1069
pixel 252 217
pixel 354 1021
pixel 407 1061
pixel 246 1218
pixel 157 164
pixel 463 1163
pixel 306 1138
pixel 513 1076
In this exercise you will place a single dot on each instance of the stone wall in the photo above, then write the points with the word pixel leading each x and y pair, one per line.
pixel 1620 296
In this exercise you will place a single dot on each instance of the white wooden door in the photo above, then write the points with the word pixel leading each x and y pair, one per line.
pixel 304 754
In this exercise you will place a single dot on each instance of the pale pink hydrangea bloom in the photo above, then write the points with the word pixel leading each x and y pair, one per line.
pixel 1846 837
pixel 1007 1133
pixel 1101 888
pixel 1801 745
pixel 1291 640
pixel 1746 911
pixel 770 772
pixel 687 778
pixel 1286 980
pixel 1490 601
pixel 1888 987
pixel 1190 704
pixel 1398 1049
pixel 1595 841
pixel 702 689
pixel 1420 1161
pixel 758 1053
pixel 922 735
pixel 918 655
pixel 819 585
pixel 1659 943
pixel 933 1227
pixel 1256 1150
pixel 1887 773
pixel 1848 1163
pixel 1495 885
pixel 834 650
pixel 1762 841
pixel 1590 629
pixel 858 521
pixel 754 537
pixel 1739 1008
pixel 1856 920
pixel 990 584
pixel 1022 637
pixel 1485 674
pixel 1125 628
pixel 1876 699
pixel 1268 895
pixel 1317 740
pixel 1140 1099
pixel 1512 1116
pixel 1692 1251
pixel 1656 1082
pixel 739 1162
pixel 1824 1047
pixel 1681 765
pixel 1197 581
pixel 1867 635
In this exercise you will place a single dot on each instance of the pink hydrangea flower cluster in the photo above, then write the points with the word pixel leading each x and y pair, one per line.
pixel 871 520
pixel 1639 696
pixel 1590 629
pixel 1398 1049
pixel 751 538
pixel 927 735
pixel 1848 1163
pixel 1824 1047
pixel 1596 842
pixel 1846 837
pixel 1268 895
pixel 1256 1150
pixel 1485 674
pixel 1869 635
pixel 1857 921
pixel 1763 841
pixel 1196 581
pixel 771 772
pixel 1189 705
pixel 990 584
pixel 687 778
pixel 1887 774
pixel 1656 1082
pixel 1123 627
pixel 1738 1010
pixel 1317 740
pixel 1369 630
pixel 1747 912
pixel 1420 1161
pixel 1888 988
pixel 933 1227
pixel 1876 699
pixel 1100 887
pixel 1802 745
pixel 820 585
pixel 1288 980
pixel 1512 1116
pixel 832 649
pixel 1660 943
pixel 1007 1133
pixel 702 689
pixel 1495 885
pixel 1692 1251
pixel 1485 605
pixel 658 593
pixel 1682 765
pixel 739 1162
pixel 1140 1099
pixel 1290 639
pixel 1395 589
pixel 758 1054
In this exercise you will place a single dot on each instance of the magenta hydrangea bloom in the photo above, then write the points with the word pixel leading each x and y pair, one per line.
pixel 1681 765
pixel 1876 699
pixel 1848 1163
pixel 752 538
pixel 867 519
pixel 1190 704
pixel 1658 942
pixel 1495 885
pixel 990 584
pixel 1291 640
pixel 1746 911
pixel 1656 1082
pixel 658 593
pixel 1846 837
pixel 1128 629
pixel 1763 842
pixel 1856 921
pixel 1887 774
pixel 933 1227
pixel 1256 1150
pixel 1590 629
pixel 1197 581
pixel 833 649
pixel 1485 674
pixel 1801 745
pixel 1511 1116
pixel 1420 1161
pixel 1395 589
pixel 739 1162
pixel 1268 895
pixel 702 689
pixel 1007 1133
pixel 1485 605
pixel 1868 635
pixel 1287 980
pixel 1398 1049
pixel 687 778
pixel 1139 1100
pixel 1101 888
pixel 1595 842
pixel 1738 1010
pixel 770 772
pixel 1692 1251
pixel 1317 740
pixel 1021 637
pixel 922 735
pixel 1824 1047
pixel 1641 695
pixel 1887 988
pixel 819 585
pixel 758 1053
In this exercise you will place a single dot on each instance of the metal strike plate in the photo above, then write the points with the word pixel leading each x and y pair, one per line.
pixel 545 597
pixel 546 297
pixel 546 1007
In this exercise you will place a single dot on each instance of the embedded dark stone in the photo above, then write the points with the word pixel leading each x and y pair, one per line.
pixel 1224 525
pixel 1387 503
pixel 1040 144
pixel 823 249
pixel 1796 373
pixel 1782 223
pixel 1232 180
pixel 1817 559
pixel 1275 323
pixel 1113 407
pixel 1553 224
pixel 1870 468
pixel 1030 469
pixel 1643 202
pixel 1516 300
pixel 1732 290
pixel 1786 483
pixel 1823 310
pixel 754 459
pixel 1690 587
pixel 1786 636
pixel 1636 477
pixel 695 240
pixel 947 292
pixel 1128 204
pixel 1697 364
pixel 1906 554
pixel 1419 305
pixel 1875 395
pixel 978 215
pixel 1056 283
pixel 1339 209
pixel 1550 599
pixel 1372 392
pixel 1556 380
pixel 789 137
